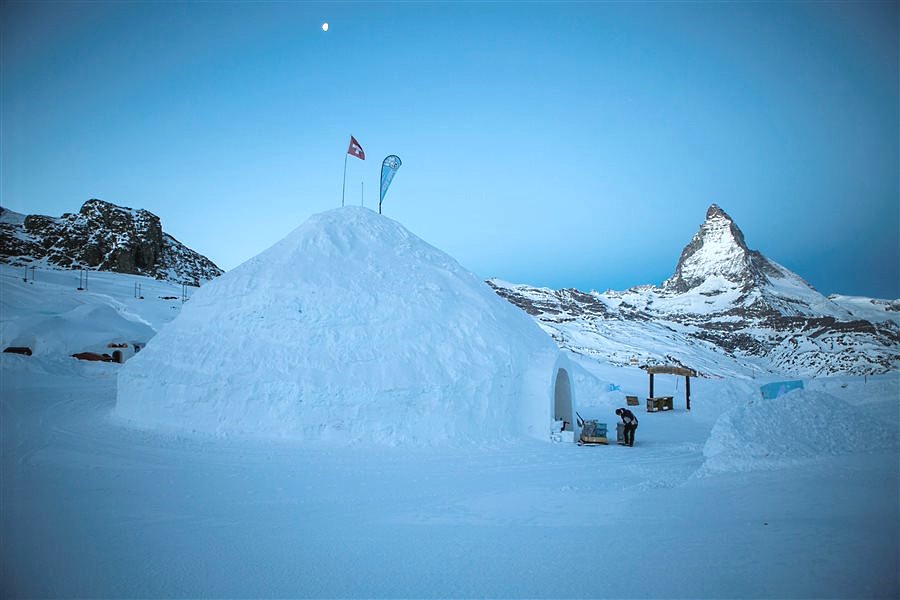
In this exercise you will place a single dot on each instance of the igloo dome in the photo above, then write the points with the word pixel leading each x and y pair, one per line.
pixel 350 328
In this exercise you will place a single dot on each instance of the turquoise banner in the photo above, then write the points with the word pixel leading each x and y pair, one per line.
pixel 772 390
pixel 388 169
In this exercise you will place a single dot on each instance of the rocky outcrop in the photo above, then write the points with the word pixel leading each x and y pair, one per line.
pixel 104 237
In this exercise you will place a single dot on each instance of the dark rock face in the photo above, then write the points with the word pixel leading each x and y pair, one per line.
pixel 101 236
pixel 104 237
pixel 553 302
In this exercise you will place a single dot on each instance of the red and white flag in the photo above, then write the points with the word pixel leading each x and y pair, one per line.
pixel 355 149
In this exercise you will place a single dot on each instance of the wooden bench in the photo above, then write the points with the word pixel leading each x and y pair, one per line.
pixel 660 403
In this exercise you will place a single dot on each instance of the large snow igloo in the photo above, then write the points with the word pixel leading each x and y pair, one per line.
pixel 350 328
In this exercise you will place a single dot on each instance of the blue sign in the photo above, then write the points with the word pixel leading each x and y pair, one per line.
pixel 770 391
pixel 388 169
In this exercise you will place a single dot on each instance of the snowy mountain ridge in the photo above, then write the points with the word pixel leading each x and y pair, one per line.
pixel 722 297
pixel 105 237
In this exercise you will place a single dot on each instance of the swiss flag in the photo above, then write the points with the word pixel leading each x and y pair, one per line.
pixel 355 149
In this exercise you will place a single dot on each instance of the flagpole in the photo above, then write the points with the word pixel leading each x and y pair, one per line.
pixel 344 188
pixel 362 194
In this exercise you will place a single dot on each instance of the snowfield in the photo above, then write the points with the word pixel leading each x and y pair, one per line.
pixel 741 497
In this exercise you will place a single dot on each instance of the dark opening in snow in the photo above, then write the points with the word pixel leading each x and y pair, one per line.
pixel 562 399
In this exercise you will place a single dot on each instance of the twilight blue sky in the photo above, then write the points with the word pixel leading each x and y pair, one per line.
pixel 556 144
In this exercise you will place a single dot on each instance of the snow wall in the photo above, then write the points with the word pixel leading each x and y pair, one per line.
pixel 349 329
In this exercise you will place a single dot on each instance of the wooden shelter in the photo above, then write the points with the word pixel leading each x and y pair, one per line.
pixel 672 370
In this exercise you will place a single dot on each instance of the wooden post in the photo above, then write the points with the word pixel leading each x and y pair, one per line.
pixel 651 385
pixel 687 391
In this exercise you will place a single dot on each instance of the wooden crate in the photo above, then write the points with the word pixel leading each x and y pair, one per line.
pixel 593 440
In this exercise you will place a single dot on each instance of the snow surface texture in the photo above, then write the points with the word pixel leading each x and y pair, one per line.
pixel 191 516
pixel 351 328
pixel 792 428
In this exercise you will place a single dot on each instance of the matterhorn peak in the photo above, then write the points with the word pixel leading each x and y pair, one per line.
pixel 717 254
pixel 715 211
pixel 717 219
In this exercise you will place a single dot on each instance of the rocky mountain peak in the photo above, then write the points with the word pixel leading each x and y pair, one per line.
pixel 106 237
pixel 114 216
pixel 718 255
pixel 715 211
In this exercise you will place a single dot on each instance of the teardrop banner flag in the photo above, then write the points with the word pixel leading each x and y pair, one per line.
pixel 388 169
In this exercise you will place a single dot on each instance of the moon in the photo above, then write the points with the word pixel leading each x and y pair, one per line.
pixel 325 26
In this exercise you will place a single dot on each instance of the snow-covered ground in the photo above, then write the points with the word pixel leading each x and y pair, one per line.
pixel 740 497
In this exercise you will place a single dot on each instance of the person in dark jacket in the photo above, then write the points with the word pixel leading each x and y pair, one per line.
pixel 630 424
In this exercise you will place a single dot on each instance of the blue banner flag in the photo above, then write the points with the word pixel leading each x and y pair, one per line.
pixel 388 168
pixel 770 391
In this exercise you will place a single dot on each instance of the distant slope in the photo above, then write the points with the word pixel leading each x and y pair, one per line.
pixel 104 237
pixel 722 298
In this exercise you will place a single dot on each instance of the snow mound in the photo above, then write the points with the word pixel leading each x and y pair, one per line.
pixel 84 328
pixel 797 426
pixel 349 329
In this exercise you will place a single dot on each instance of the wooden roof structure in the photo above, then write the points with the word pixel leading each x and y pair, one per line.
pixel 669 370
pixel 685 372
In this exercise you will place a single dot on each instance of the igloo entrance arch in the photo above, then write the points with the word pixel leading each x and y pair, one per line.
pixel 562 400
